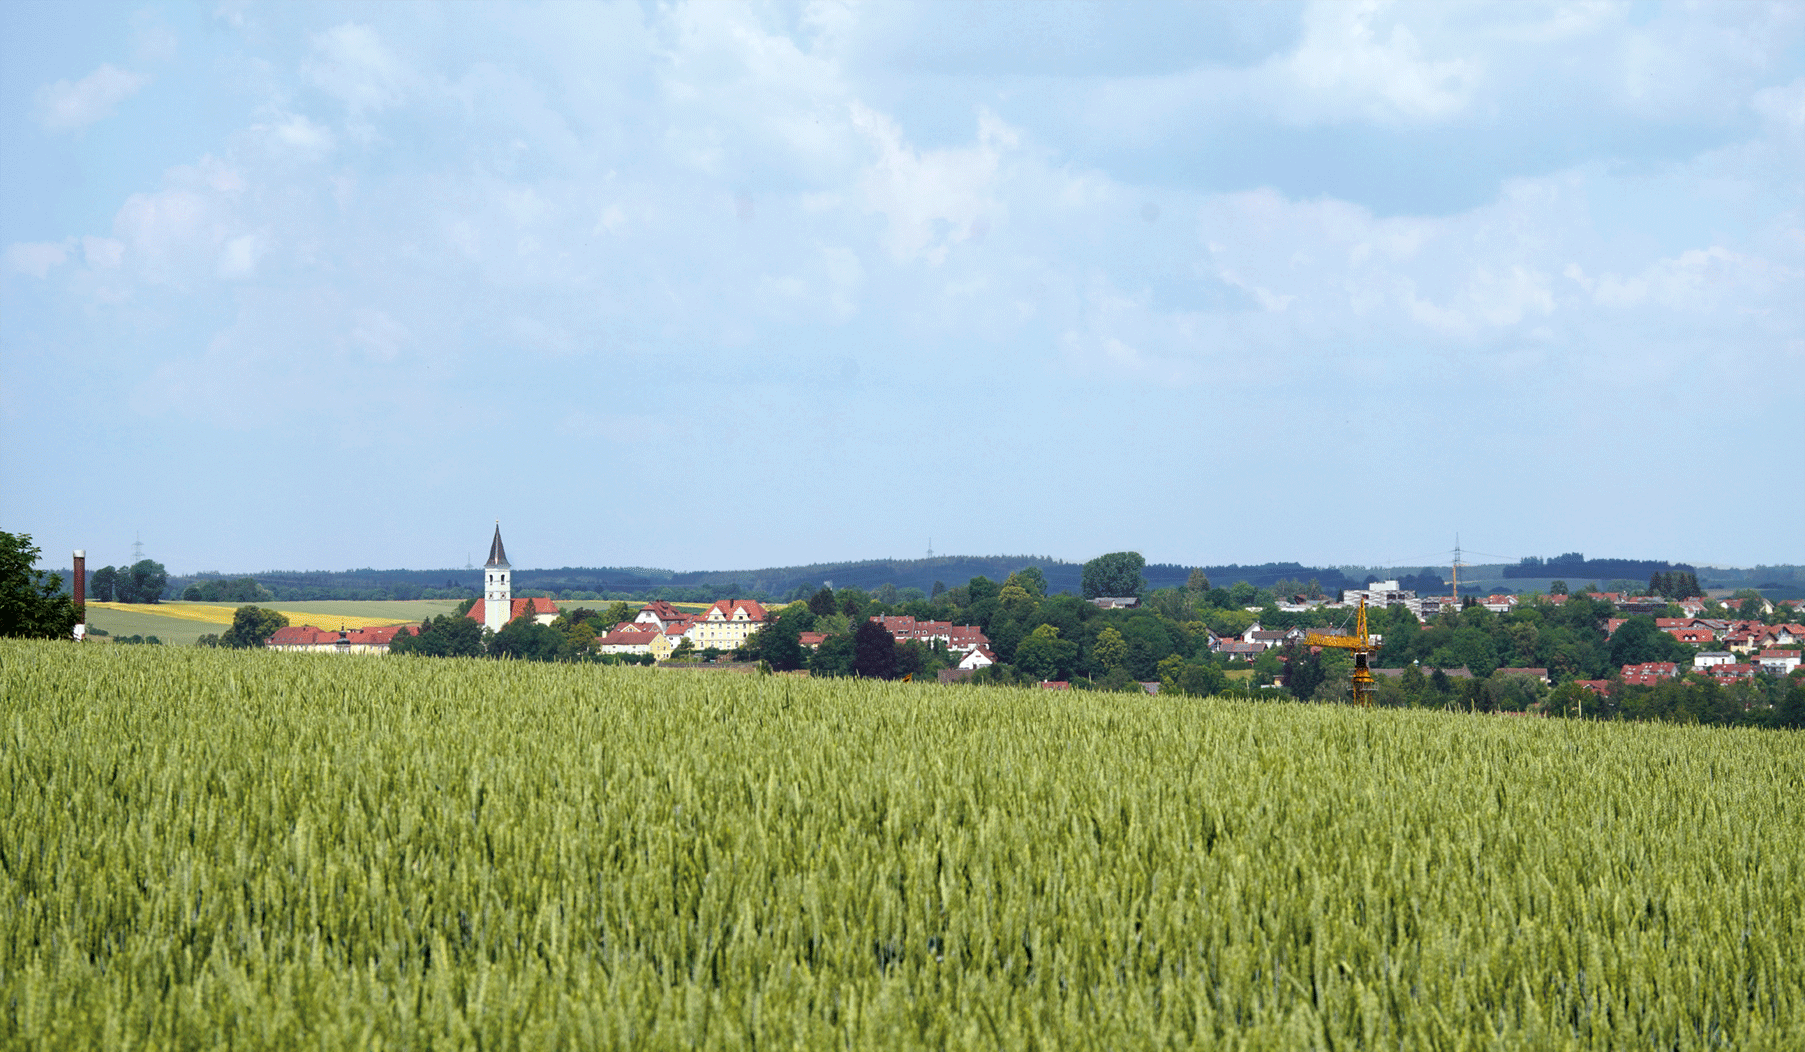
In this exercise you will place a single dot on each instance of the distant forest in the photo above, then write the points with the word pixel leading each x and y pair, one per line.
pixel 903 575
pixel 785 582
pixel 1577 567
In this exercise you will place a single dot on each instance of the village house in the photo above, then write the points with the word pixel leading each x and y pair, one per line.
pixel 665 643
pixel 977 658
pixel 1727 674
pixel 726 625
pixel 1778 662
pixel 630 638
pixel 959 639
pixel 1649 673
pixel 1709 658
pixel 662 615
pixel 308 639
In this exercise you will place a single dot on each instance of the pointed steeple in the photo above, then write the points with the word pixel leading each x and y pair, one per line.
pixel 498 556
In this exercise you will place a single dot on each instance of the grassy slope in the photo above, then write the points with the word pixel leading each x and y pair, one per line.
pixel 211 849
pixel 143 622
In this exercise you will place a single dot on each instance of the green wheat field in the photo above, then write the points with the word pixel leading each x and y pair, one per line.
pixel 205 849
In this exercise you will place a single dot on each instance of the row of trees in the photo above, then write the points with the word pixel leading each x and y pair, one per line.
pixel 141 582
pixel 221 590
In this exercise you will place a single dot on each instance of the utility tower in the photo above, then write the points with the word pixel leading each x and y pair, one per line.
pixel 1457 565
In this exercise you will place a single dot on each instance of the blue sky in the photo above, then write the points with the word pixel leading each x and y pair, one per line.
pixel 712 286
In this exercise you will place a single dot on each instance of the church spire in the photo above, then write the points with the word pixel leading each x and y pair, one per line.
pixel 498 556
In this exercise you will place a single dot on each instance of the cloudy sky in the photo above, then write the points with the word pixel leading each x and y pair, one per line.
pixel 713 286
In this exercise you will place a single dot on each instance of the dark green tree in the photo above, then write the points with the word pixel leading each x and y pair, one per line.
pixel 853 602
pixel 822 602
pixel 778 643
pixel 834 657
pixel 1044 655
pixel 239 590
pixel 31 602
pixel 1201 679
pixel 1303 672
pixel 1118 573
pixel 1638 640
pixel 448 635
pixel 103 584
pixel 251 627
pixel 525 639
pixel 874 650
pixel 143 582
pixel 1557 588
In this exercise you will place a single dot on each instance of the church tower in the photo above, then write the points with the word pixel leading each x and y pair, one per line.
pixel 498 586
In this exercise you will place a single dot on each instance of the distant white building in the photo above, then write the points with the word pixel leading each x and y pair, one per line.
pixel 1378 593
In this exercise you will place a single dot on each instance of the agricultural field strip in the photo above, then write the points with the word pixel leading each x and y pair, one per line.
pixel 207 848
pixel 221 614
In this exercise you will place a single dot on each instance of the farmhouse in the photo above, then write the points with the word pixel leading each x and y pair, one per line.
pixel 308 639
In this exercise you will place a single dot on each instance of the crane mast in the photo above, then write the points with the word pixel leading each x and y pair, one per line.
pixel 1362 646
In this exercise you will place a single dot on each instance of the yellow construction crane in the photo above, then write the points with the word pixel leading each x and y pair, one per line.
pixel 1362 646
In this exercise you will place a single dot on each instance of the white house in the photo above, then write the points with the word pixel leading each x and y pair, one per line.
pixel 978 658
pixel 1778 662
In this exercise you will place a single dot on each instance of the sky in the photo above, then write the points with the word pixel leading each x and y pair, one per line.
pixel 723 286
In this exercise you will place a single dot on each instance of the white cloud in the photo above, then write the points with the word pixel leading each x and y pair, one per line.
pixel 351 63
pixel 238 259
pixel 378 335
pixel 1352 59
pixel 1783 104
pixel 179 233
pixel 63 106
pixel 295 133
pixel 102 253
pixel 36 258
pixel 933 199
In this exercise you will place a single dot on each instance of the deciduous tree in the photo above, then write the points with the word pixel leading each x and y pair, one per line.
pixel 1118 573
pixel 31 602
pixel 251 627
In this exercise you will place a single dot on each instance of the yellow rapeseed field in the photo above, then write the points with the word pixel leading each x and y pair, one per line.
pixel 221 614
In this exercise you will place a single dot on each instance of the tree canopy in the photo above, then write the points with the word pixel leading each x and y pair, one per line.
pixel 141 582
pixel 31 602
pixel 1118 573
pixel 251 627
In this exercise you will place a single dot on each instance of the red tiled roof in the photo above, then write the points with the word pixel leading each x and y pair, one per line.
pixel 300 636
pixel 311 636
pixel 726 607
pixel 517 607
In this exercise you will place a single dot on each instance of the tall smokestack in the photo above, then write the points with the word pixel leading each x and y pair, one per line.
pixel 81 593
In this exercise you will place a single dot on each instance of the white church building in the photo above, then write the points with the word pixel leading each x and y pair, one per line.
pixel 499 605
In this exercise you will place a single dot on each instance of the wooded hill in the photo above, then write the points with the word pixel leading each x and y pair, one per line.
pixel 788 582
pixel 771 583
